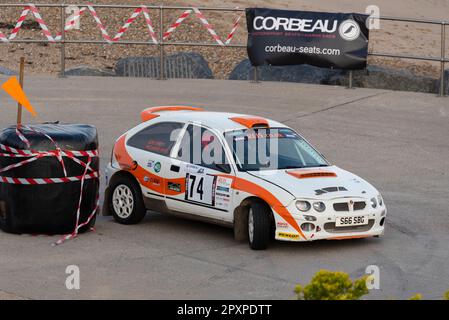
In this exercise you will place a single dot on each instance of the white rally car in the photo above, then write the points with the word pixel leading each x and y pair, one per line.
pixel 255 175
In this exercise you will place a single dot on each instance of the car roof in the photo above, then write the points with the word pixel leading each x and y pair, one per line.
pixel 217 120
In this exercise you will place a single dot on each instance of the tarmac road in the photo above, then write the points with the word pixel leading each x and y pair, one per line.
pixel 398 141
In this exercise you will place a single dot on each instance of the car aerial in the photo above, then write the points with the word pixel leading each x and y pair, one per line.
pixel 253 174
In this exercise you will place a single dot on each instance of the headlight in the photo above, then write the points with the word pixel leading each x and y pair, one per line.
pixel 303 206
pixel 380 200
pixel 319 206
pixel 374 203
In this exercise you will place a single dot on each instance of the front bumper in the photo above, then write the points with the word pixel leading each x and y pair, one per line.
pixel 324 225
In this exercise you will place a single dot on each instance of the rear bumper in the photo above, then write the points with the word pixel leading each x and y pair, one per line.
pixel 109 172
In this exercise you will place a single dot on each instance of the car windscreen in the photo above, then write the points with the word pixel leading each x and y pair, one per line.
pixel 272 149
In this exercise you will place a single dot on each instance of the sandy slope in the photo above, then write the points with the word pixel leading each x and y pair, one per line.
pixel 393 37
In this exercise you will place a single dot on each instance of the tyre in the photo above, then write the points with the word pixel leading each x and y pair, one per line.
pixel 126 202
pixel 259 226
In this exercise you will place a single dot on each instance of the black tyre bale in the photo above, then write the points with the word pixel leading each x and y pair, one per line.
pixel 48 208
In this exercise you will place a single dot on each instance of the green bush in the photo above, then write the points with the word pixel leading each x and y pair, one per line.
pixel 416 297
pixel 446 296
pixel 328 285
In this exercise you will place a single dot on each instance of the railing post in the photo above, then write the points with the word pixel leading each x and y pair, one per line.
pixel 161 45
pixel 255 75
pixel 443 56
pixel 62 71
pixel 350 79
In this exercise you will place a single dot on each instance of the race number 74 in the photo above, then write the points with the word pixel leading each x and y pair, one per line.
pixel 199 188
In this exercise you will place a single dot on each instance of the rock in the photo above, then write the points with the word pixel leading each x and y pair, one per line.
pixel 300 73
pixel 384 78
pixel 373 77
pixel 87 71
pixel 7 72
pixel 181 65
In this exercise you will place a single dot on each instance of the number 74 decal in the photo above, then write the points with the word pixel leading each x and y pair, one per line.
pixel 201 188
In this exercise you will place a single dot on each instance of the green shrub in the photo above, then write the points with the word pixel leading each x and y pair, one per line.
pixel 446 296
pixel 328 285
pixel 416 297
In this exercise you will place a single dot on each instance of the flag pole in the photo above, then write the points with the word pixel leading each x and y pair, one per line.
pixel 19 105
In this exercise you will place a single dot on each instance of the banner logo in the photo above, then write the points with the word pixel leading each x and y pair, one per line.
pixel 293 24
pixel 349 30
pixel 321 39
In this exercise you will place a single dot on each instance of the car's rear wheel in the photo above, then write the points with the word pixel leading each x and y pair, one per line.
pixel 125 201
pixel 259 226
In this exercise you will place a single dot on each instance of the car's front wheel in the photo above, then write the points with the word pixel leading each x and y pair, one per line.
pixel 259 226
pixel 125 201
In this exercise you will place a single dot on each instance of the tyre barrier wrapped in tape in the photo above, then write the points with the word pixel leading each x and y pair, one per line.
pixel 49 179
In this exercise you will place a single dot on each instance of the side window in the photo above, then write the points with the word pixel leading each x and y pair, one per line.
pixel 200 146
pixel 158 138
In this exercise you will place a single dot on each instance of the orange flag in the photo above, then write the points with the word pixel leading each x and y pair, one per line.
pixel 12 87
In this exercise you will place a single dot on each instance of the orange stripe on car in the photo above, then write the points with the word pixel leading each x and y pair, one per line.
pixel 145 178
pixel 126 162
pixel 268 197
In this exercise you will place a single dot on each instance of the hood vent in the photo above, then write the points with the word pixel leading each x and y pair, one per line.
pixel 319 192
pixel 303 174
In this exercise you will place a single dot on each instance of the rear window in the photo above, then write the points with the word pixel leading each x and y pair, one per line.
pixel 158 138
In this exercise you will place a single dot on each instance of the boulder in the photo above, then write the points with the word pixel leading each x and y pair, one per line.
pixel 373 77
pixel 446 83
pixel 87 71
pixel 299 73
pixel 181 65
pixel 385 78
pixel 7 72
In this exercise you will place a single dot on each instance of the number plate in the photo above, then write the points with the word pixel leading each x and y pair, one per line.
pixel 351 221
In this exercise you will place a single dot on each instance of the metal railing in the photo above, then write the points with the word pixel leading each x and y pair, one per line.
pixel 161 44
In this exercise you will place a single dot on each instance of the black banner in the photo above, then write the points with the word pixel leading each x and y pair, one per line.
pixel 329 40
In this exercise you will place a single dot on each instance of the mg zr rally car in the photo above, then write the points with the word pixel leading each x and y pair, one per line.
pixel 255 175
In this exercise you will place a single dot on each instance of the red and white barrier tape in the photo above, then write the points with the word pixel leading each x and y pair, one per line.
pixel 234 29
pixel 178 21
pixel 38 181
pixel 208 27
pixel 78 210
pixel 33 155
pixel 206 24
pixel 143 9
pixel 30 7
